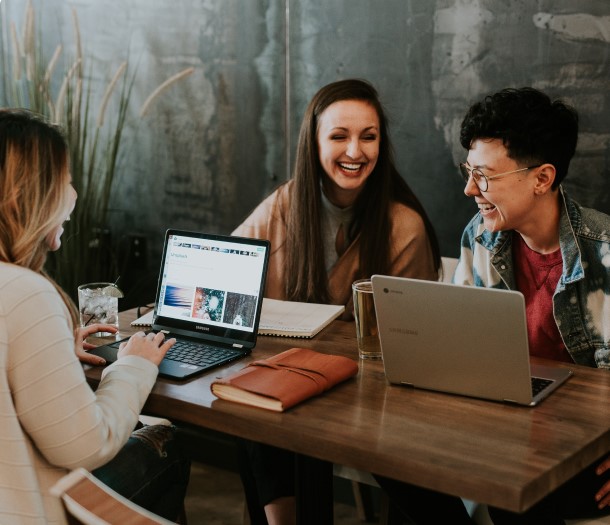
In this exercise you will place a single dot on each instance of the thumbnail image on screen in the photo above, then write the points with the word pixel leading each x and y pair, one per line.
pixel 178 296
pixel 208 304
pixel 240 309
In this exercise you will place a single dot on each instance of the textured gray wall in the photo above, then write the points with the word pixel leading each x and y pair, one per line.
pixel 218 142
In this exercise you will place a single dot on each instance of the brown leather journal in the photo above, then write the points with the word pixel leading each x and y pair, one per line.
pixel 282 381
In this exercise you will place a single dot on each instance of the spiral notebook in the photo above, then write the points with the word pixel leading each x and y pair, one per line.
pixel 145 320
pixel 294 319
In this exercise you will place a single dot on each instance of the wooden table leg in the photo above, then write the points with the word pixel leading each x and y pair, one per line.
pixel 313 491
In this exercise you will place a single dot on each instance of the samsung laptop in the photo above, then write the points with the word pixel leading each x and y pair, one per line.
pixel 459 339
pixel 209 298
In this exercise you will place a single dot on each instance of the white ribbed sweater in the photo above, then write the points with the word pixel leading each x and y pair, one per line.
pixel 50 419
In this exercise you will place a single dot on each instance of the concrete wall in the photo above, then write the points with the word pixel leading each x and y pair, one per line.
pixel 217 143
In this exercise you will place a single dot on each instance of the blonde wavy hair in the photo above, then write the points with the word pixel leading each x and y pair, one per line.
pixel 34 172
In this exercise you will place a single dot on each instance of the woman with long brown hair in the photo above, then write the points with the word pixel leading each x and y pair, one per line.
pixel 346 214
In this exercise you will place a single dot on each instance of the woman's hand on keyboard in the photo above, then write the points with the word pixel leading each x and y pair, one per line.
pixel 150 346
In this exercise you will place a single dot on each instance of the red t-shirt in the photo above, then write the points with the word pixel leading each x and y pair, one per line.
pixel 537 276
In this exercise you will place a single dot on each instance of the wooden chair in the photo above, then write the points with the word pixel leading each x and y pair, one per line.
pixel 87 501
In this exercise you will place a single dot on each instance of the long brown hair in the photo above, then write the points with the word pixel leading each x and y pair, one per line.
pixel 34 171
pixel 306 278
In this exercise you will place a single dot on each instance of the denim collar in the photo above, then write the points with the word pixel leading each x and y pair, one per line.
pixel 570 222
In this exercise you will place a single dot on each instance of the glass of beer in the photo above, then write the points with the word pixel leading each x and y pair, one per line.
pixel 366 320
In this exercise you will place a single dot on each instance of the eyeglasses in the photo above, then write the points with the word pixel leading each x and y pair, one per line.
pixel 482 180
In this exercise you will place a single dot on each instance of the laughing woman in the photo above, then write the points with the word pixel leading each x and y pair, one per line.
pixel 345 214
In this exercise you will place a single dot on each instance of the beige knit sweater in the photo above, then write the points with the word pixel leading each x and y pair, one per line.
pixel 50 420
pixel 410 254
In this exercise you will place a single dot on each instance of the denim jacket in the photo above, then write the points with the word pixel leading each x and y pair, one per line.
pixel 581 302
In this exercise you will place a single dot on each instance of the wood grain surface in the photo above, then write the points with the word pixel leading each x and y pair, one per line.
pixel 494 453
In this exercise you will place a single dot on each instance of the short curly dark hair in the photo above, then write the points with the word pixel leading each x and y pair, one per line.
pixel 534 129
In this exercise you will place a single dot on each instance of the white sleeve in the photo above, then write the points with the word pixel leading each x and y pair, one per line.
pixel 69 424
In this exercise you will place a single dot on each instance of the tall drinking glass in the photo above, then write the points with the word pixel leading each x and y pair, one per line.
pixel 99 303
pixel 366 320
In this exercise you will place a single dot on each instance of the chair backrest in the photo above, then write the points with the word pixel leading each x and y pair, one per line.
pixel 88 501
pixel 448 265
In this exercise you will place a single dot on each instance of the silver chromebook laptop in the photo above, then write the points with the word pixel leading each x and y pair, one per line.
pixel 209 298
pixel 457 339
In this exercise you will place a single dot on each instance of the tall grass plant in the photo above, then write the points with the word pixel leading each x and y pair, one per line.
pixel 61 88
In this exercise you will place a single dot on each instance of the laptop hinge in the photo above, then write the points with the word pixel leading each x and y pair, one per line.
pixel 237 345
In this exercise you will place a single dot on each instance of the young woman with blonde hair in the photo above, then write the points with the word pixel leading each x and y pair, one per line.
pixel 50 419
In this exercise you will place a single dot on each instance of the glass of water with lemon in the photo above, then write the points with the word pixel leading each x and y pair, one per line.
pixel 99 303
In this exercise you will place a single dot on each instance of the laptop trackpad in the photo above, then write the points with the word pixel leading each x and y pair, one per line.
pixel 175 369
pixel 108 352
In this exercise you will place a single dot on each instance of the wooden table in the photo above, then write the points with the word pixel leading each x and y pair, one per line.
pixel 502 455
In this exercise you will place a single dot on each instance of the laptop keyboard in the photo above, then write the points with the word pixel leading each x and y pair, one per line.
pixel 199 354
pixel 539 384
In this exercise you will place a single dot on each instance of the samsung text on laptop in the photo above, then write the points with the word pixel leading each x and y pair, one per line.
pixel 457 339
pixel 209 298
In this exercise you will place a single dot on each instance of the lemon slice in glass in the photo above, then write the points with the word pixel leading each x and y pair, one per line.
pixel 112 290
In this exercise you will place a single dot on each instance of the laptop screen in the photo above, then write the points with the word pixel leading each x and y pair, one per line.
pixel 211 284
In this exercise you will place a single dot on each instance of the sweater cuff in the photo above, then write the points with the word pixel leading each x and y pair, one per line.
pixel 134 361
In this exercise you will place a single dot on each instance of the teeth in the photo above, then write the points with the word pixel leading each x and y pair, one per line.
pixel 350 166
pixel 486 207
